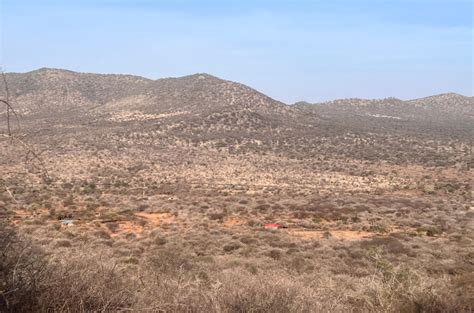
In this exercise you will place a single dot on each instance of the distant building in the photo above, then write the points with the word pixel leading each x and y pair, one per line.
pixel 271 226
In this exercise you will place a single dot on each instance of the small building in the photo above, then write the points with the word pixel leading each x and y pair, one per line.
pixel 271 226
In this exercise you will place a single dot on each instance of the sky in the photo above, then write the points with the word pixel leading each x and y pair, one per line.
pixel 292 50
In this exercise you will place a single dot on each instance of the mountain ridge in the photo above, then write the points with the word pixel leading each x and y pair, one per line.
pixel 207 75
pixel 49 87
pixel 201 111
pixel 202 103
pixel 356 99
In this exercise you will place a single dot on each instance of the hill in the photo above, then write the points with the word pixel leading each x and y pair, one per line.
pixel 441 115
pixel 47 88
pixel 204 111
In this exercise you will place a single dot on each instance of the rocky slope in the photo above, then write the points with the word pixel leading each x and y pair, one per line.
pixel 441 114
pixel 58 89
pixel 62 107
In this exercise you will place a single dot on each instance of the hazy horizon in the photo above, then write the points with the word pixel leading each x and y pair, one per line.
pixel 300 51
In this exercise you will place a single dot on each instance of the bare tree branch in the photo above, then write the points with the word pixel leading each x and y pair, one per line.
pixel 6 101
pixel 19 138
pixel 29 151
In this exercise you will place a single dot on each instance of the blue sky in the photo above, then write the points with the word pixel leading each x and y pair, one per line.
pixel 291 50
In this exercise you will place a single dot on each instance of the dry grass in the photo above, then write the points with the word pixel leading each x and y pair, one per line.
pixel 365 258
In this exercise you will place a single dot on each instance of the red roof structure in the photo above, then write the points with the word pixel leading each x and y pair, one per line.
pixel 271 226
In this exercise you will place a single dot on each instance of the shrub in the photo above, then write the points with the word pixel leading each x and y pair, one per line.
pixel 433 231
pixel 159 240
pixel 232 246
pixel 388 244
pixel 216 216
pixel 22 270
pixel 275 254
pixel 63 243
pixel 112 226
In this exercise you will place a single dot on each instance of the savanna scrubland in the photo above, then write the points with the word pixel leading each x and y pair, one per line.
pixel 120 193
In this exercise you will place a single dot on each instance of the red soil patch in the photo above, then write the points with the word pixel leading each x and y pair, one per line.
pixel 349 235
pixel 156 218
pixel 403 230
pixel 20 215
pixel 232 221
pixel 24 213
pixel 128 227
pixel 134 227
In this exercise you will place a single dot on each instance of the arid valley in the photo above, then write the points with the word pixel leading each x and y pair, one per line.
pixel 198 194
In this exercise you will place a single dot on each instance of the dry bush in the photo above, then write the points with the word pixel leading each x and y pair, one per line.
pixel 396 289
pixel 265 292
pixel 172 280
pixel 30 282
pixel 85 284
pixel 22 271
